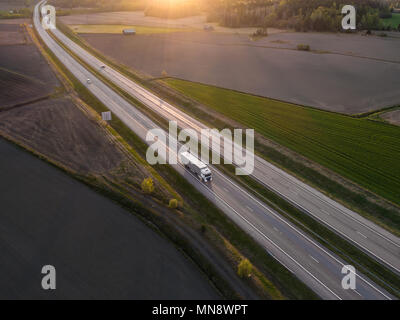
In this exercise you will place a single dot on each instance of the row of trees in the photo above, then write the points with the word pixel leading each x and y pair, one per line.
pixel 302 15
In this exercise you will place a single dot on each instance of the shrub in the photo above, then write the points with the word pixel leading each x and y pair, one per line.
pixel 148 185
pixel 303 47
pixel 245 268
pixel 173 204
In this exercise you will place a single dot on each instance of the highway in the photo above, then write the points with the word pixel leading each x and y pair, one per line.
pixel 371 238
pixel 309 261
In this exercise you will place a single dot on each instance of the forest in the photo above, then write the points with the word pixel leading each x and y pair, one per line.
pixel 301 15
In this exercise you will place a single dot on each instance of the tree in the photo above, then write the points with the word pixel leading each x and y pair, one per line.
pixel 173 204
pixel 245 268
pixel 148 185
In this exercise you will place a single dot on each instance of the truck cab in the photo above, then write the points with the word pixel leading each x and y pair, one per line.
pixel 206 175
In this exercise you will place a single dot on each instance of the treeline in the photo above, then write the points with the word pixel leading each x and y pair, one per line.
pixel 301 15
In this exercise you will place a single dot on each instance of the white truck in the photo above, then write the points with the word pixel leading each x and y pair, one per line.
pixel 196 166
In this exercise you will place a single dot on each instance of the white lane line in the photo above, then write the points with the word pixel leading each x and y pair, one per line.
pixel 357 292
pixel 314 259
pixel 362 234
pixel 327 213
pixel 252 210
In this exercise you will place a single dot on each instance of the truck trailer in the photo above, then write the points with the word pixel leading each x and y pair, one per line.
pixel 196 166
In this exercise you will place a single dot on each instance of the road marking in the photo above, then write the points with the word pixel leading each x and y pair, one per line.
pixel 276 229
pixel 357 292
pixel 327 213
pixel 362 234
pixel 226 190
pixel 314 259
pixel 250 208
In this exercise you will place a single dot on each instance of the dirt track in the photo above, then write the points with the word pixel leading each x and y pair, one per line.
pixel 336 82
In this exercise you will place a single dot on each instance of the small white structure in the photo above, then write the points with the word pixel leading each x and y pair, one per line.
pixel 129 32
pixel 106 116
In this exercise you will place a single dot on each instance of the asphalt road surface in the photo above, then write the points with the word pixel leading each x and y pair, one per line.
pixel 309 261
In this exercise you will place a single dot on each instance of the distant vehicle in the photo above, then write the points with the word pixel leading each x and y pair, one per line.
pixel 129 31
pixel 208 27
pixel 196 166
pixel 102 67
pixel 88 81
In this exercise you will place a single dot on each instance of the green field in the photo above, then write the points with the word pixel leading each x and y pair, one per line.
pixel 117 29
pixel 394 21
pixel 362 150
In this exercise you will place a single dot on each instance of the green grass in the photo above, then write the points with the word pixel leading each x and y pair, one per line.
pixel 361 150
pixel 394 21
pixel 117 29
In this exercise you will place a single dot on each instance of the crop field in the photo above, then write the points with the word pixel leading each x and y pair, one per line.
pixel 100 250
pixel 394 21
pixel 117 29
pixel 358 75
pixel 17 89
pixel 361 150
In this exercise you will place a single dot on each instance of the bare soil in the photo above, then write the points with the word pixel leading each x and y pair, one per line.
pixel 99 250
pixel 361 74
pixel 11 34
pixel 27 60
pixel 56 127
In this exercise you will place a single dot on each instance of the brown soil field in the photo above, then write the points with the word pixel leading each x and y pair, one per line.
pixel 16 89
pixel 27 60
pixel 56 127
pixel 25 75
pixel 139 18
pixel 11 34
pixel 99 250
pixel 342 82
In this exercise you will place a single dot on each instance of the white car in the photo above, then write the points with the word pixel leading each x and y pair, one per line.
pixel 88 81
